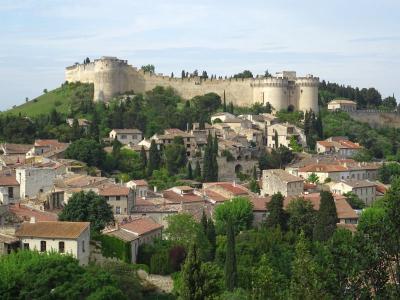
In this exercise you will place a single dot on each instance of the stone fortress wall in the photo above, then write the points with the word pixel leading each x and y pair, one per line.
pixel 112 76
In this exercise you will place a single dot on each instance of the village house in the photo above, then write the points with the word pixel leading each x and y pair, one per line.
pixel 219 192
pixel 63 237
pixel 15 149
pixel 182 195
pixel 82 123
pixel 47 148
pixel 364 189
pixel 137 232
pixel 140 186
pixel 342 104
pixel 278 180
pixel 121 198
pixel 126 136
pixel 35 179
pixel 167 138
pixel 221 117
pixel 339 145
pixel 9 189
pixel 285 132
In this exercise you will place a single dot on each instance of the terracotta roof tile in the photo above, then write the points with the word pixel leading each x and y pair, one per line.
pixel 54 229
pixel 141 226
pixel 114 190
pixel 8 181
pixel 26 213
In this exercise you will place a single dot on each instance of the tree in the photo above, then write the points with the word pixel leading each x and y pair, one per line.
pixel 230 261
pixel 276 140
pixel 253 186
pixel 175 156
pixel 192 278
pixel 277 217
pixel 154 158
pixel 265 282
pixel 304 283
pixel 239 211
pixel 197 171
pixel 189 174
pixel 143 160
pixel 148 68
pixel 88 207
pixel 210 164
pixel 244 74
pixel 354 201
pixel 301 217
pixel 313 178
pixel 184 230
pixel 294 145
pixel 231 108
pixel 204 222
pixel 212 238
pixel 326 218
pixel 86 150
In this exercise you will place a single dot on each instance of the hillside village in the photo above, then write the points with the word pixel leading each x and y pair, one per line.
pixel 142 185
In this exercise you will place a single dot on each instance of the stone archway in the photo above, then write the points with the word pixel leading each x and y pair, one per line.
pixel 290 108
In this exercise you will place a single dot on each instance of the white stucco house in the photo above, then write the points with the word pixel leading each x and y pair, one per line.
pixel 63 237
pixel 126 136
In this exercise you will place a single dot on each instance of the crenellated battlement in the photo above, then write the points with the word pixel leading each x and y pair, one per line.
pixel 112 76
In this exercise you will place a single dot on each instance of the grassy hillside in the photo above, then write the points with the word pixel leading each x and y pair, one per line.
pixel 61 99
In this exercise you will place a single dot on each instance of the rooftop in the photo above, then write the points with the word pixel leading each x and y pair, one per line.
pixel 114 190
pixel 283 175
pixel 127 130
pixel 8 180
pixel 141 226
pixel 53 229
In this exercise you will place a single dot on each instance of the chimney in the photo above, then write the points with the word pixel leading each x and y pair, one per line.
pixel 32 220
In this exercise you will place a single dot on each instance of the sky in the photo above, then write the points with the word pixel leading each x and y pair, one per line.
pixel 353 42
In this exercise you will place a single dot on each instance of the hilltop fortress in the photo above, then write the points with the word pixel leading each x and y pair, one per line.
pixel 112 76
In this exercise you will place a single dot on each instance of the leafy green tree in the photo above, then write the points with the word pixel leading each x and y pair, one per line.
pixel 244 74
pixel 154 162
pixel 277 217
pixel 254 186
pixel 230 261
pixel 86 150
pixel 192 287
pixel 294 145
pixel 313 178
pixel 239 211
pixel 326 218
pixel 265 282
pixel 184 230
pixel 305 281
pixel 175 156
pixel 88 207
pixel 213 280
pixel 301 217
pixel 354 201
pixel 148 68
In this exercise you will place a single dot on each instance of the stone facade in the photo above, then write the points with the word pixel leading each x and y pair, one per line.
pixel 112 76
pixel 278 180
pixel 35 180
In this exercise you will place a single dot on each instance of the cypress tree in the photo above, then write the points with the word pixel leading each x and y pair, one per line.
pixel 154 159
pixel 231 107
pixel 277 217
pixel 326 220
pixel 224 105
pixel 197 171
pixel 230 261
pixel 143 157
pixel 189 171
pixel 255 173
pixel 319 128
pixel 276 139
pixel 214 162
pixel 204 221
pixel 192 277
pixel 207 160
pixel 212 238
pixel 76 130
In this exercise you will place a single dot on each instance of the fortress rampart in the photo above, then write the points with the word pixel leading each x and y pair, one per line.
pixel 111 76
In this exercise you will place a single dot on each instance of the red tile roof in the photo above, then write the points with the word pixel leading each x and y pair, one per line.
pixel 260 203
pixel 141 226
pixel 8 181
pixel 323 168
pixel 233 188
pixel 26 213
pixel 53 229
pixel 140 182
pixel 114 190
pixel 214 196
pixel 178 198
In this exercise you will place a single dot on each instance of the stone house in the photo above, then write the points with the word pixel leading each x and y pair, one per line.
pixel 364 189
pixel 34 180
pixel 140 186
pixel 63 237
pixel 278 180
pixel 285 132
pixel 126 136
pixel 137 232
pixel 342 104
pixel 222 116
pixel 47 148
pixel 167 138
pixel 9 189
pixel 121 198
pixel 338 145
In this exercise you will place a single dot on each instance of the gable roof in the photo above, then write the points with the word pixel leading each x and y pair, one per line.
pixel 8 180
pixel 141 226
pixel 114 190
pixel 127 130
pixel 52 229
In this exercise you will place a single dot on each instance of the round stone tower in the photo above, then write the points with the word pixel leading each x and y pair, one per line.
pixel 307 93
pixel 273 90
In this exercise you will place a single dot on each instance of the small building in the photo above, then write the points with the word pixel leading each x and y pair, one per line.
pixel 170 134
pixel 14 149
pixel 121 198
pixel 219 192
pixel 278 180
pixel 338 145
pixel 82 123
pixel 221 117
pixel 342 104
pixel 47 148
pixel 140 186
pixel 63 237
pixel 285 132
pixel 126 136
pixel 182 195
pixel 9 189
pixel 364 189
pixel 138 232
pixel 8 243
pixel 34 180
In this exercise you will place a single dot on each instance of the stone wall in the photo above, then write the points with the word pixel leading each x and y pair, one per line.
pixel 376 118
pixel 112 76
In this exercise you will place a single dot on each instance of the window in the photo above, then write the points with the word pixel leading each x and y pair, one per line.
pixel 123 137
pixel 42 246
pixel 26 246
pixel 10 192
pixel 118 210
pixel 61 247
pixel 83 246
pixel 118 198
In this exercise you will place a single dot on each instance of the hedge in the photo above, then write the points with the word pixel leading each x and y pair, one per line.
pixel 114 247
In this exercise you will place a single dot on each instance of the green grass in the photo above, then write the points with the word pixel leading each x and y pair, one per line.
pixel 60 98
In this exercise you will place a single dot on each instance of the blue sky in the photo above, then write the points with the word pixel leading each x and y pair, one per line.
pixel 353 42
